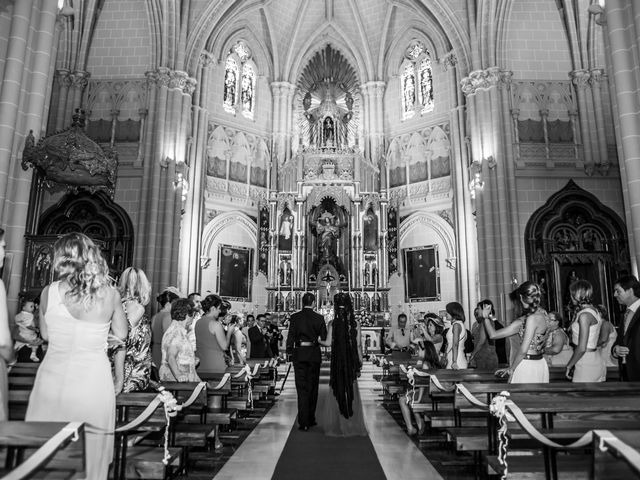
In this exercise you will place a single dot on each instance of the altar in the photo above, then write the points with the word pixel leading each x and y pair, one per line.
pixel 327 216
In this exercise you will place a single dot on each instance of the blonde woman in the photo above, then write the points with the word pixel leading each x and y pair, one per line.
pixel 132 362
pixel 74 381
pixel 585 335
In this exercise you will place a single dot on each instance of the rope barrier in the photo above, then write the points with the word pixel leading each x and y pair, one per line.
pixel 45 452
pixel 629 454
pixel 498 409
pixel 471 398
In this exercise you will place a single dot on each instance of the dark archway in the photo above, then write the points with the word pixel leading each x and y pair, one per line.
pixel 572 236
pixel 93 214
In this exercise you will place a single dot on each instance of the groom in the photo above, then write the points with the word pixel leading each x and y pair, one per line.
pixel 305 327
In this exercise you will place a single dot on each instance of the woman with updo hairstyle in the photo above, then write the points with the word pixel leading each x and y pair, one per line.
pixel 74 382
pixel 178 357
pixel 159 324
pixel 132 363
pixel 585 335
pixel 484 355
pixel 529 365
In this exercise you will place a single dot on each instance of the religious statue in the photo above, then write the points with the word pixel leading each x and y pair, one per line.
pixel 285 233
pixel 285 272
pixel 328 228
pixel 327 130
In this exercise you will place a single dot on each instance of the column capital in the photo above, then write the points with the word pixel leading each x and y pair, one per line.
pixel 80 79
pixel 580 78
pixel 449 60
pixel 280 89
pixel 207 59
pixel 597 76
pixel 479 80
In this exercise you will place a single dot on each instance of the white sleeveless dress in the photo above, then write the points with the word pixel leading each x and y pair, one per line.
pixel 591 367
pixel 462 358
pixel 74 382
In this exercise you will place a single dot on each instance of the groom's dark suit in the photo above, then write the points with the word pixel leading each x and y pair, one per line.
pixel 305 327
pixel 630 370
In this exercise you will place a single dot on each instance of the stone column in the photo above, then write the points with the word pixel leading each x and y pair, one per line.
pixel 596 80
pixel 192 220
pixel 79 81
pixel 580 78
pixel 64 82
pixel 622 34
pixel 29 59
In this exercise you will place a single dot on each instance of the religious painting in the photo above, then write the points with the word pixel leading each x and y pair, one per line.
pixel 370 230
pixel 285 231
pixel 234 272
pixel 421 274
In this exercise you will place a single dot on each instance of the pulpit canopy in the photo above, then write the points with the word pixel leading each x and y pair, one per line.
pixel 71 161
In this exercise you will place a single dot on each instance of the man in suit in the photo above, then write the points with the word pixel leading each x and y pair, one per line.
pixel 259 345
pixel 305 328
pixel 626 290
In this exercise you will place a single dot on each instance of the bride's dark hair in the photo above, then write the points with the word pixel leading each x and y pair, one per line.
pixel 345 362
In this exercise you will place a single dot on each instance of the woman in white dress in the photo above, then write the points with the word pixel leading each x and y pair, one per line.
pixel 456 335
pixel 585 334
pixel 529 365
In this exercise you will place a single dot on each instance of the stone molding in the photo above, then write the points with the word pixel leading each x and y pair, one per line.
pixel 479 80
pixel 220 223
pixel 437 224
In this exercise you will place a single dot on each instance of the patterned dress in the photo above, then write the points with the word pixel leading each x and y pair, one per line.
pixel 533 369
pixel 137 362
pixel 176 336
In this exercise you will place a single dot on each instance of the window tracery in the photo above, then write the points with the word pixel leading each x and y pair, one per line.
pixel 416 81
pixel 240 81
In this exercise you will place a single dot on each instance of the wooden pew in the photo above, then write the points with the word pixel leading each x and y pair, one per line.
pixel 616 454
pixel 54 449
pixel 568 407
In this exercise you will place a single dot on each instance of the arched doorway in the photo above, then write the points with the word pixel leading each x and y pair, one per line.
pixel 93 214
pixel 575 236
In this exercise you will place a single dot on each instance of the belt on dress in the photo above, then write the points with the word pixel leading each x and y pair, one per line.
pixel 530 356
pixel 592 349
pixel 307 344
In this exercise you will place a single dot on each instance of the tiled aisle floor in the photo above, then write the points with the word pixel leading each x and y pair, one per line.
pixel 257 456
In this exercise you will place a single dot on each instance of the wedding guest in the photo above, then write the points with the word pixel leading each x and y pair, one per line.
pixel 132 363
pixel 455 336
pixel 608 336
pixel 238 342
pixel 159 324
pixel 626 291
pixel 484 352
pixel 212 340
pixel 430 361
pixel 274 337
pixel 27 334
pixel 585 335
pixel 248 323
pixel 74 382
pixel 7 354
pixel 528 364
pixel 558 350
pixel 399 339
pixel 178 357
pixel 259 345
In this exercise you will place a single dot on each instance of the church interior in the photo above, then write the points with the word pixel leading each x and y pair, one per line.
pixel 411 153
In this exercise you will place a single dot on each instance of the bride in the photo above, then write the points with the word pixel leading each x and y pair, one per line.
pixel 340 412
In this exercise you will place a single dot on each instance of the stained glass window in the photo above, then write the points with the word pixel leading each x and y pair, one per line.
pixel 240 81
pixel 416 81
pixel 230 85
pixel 426 85
pixel 408 90
pixel 248 87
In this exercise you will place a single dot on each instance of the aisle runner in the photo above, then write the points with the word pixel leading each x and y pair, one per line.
pixel 311 455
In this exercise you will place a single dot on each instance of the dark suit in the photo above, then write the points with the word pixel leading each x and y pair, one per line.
pixel 630 371
pixel 259 345
pixel 306 326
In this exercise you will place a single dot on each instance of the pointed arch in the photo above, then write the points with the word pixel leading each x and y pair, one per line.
pixel 443 230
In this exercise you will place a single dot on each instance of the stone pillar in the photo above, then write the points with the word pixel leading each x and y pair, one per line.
pixel 157 248
pixel 192 219
pixel 580 78
pixel 64 82
pixel 622 33
pixel 596 80
pixel 79 81
pixel 492 152
pixel 24 96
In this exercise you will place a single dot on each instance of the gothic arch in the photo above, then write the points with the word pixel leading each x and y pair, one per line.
pixel 574 233
pixel 222 222
pixel 438 225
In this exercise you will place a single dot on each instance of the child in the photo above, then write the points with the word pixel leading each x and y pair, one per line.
pixel 27 330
